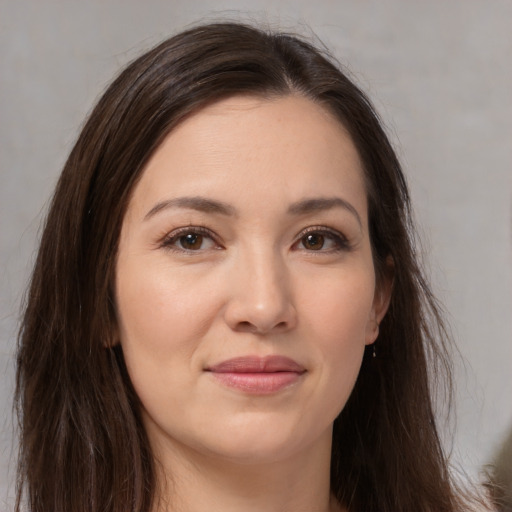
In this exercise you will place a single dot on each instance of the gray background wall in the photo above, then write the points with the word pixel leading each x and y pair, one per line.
pixel 439 72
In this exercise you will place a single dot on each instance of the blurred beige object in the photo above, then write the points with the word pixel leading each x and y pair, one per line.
pixel 501 476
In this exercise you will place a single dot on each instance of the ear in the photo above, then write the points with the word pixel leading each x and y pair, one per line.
pixel 381 300
pixel 111 338
pixel 111 343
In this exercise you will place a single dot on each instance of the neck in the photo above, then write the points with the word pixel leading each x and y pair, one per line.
pixel 195 482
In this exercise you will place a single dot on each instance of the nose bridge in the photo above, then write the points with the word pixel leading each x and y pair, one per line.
pixel 262 297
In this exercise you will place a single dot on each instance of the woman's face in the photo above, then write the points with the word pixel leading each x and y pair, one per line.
pixel 245 285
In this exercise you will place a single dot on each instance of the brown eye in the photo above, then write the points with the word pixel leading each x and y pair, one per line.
pixel 323 240
pixel 313 241
pixel 191 241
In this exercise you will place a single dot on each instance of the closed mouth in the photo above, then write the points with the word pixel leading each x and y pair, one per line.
pixel 258 375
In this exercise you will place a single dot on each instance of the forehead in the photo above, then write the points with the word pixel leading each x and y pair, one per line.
pixel 285 147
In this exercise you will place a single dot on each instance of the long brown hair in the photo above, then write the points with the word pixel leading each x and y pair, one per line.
pixel 82 444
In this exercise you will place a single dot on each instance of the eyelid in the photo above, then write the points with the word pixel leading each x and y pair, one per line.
pixel 340 239
pixel 169 240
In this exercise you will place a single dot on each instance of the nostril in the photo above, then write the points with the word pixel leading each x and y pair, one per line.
pixel 246 327
pixel 257 318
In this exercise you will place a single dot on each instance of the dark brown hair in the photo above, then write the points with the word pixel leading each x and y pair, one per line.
pixel 82 444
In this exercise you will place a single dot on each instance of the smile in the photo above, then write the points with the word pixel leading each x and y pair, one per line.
pixel 258 375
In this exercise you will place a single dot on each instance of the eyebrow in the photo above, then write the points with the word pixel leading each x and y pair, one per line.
pixel 206 205
pixel 201 204
pixel 321 204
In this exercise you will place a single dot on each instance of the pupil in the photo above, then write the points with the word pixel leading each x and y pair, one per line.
pixel 314 242
pixel 192 241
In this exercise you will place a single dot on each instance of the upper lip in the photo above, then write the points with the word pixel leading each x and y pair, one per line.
pixel 256 364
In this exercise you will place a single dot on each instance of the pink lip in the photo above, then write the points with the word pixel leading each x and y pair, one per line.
pixel 258 375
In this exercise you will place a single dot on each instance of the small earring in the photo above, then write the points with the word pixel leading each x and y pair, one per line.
pixel 374 351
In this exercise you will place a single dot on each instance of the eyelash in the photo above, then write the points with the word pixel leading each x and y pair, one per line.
pixel 340 241
pixel 169 242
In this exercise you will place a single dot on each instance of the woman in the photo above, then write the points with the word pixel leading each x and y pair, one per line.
pixel 226 311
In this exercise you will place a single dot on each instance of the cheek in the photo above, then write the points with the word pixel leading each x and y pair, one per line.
pixel 156 306
pixel 339 313
pixel 163 317
pixel 339 306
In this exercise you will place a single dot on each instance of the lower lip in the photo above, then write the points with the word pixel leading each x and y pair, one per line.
pixel 258 383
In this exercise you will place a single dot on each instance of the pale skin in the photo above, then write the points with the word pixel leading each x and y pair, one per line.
pixel 247 235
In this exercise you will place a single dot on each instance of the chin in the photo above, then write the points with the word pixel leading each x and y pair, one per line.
pixel 263 441
pixel 255 451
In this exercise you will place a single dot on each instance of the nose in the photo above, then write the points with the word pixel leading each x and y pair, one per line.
pixel 261 296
